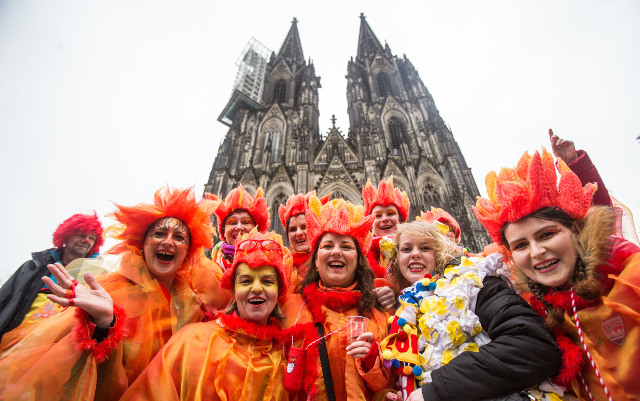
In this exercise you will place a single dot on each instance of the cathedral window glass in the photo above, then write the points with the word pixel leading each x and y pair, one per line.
pixel 280 91
pixel 276 226
pixel 432 197
pixel 383 84
pixel 397 134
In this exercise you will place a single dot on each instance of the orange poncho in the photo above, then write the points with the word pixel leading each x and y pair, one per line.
pixel 331 308
pixel 50 363
pixel 225 359
pixel 205 280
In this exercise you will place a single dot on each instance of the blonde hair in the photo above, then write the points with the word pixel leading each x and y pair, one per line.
pixel 445 250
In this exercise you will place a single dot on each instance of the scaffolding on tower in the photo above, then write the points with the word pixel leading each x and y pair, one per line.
pixel 249 82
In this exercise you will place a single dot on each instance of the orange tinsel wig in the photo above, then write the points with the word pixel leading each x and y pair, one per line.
pixel 297 204
pixel 250 249
pixel 437 214
pixel 134 221
pixel 339 216
pixel 386 195
pixel 516 193
pixel 238 198
pixel 79 223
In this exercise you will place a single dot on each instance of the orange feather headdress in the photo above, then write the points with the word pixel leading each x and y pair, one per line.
pixel 516 193
pixel 386 194
pixel 238 198
pixel 437 214
pixel 134 221
pixel 339 216
pixel 297 204
pixel 250 249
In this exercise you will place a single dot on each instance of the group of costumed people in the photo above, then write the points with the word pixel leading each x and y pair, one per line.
pixel 552 315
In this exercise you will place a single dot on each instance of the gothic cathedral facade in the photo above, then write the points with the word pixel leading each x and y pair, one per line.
pixel 274 139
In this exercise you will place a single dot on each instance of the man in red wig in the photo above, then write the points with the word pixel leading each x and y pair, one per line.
pixel 78 236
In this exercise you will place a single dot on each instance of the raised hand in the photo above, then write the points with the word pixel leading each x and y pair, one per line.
pixel 95 300
pixel 562 148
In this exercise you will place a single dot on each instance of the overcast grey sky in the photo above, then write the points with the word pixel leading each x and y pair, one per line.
pixel 105 101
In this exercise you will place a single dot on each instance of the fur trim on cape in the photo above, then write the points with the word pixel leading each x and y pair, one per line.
pixel 233 322
pixel 573 359
pixel 373 257
pixel 84 328
pixel 333 299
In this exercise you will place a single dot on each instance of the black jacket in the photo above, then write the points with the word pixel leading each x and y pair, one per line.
pixel 522 352
pixel 19 292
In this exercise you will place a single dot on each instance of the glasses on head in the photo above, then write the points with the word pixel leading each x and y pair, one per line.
pixel 266 244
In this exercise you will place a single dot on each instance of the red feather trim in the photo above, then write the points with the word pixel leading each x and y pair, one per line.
pixel 573 359
pixel 299 259
pixel 334 300
pixel 84 328
pixel 235 323
pixel 373 256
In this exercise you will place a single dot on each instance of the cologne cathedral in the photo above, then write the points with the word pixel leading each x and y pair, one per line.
pixel 274 140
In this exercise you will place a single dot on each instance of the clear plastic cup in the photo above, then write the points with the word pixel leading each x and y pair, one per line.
pixel 356 325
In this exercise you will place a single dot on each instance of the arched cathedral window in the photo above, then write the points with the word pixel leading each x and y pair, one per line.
pixel 273 137
pixel 280 92
pixel 397 134
pixel 383 84
pixel 432 197
pixel 276 226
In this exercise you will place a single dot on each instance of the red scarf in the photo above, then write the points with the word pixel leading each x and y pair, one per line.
pixel 336 298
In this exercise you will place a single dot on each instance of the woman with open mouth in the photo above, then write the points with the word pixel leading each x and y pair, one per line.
pixel 390 207
pixel 582 280
pixel 292 217
pixel 114 327
pixel 236 215
pixel 239 355
pixel 458 315
pixel 338 285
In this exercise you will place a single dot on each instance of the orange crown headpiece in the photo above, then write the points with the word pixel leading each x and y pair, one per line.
pixel 437 214
pixel 339 216
pixel 387 194
pixel 258 249
pixel 134 221
pixel 297 204
pixel 238 198
pixel 516 193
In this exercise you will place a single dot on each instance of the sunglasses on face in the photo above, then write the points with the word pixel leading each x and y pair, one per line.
pixel 267 245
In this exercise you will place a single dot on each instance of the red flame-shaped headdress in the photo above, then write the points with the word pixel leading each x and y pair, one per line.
pixel 386 194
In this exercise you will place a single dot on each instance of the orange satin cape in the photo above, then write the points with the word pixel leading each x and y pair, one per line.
pixel 225 359
pixel 205 280
pixel 350 380
pixel 612 334
pixel 47 364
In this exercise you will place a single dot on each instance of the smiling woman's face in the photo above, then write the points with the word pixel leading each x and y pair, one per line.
pixel 298 233
pixel 543 249
pixel 256 292
pixel 165 248
pixel 336 260
pixel 386 220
